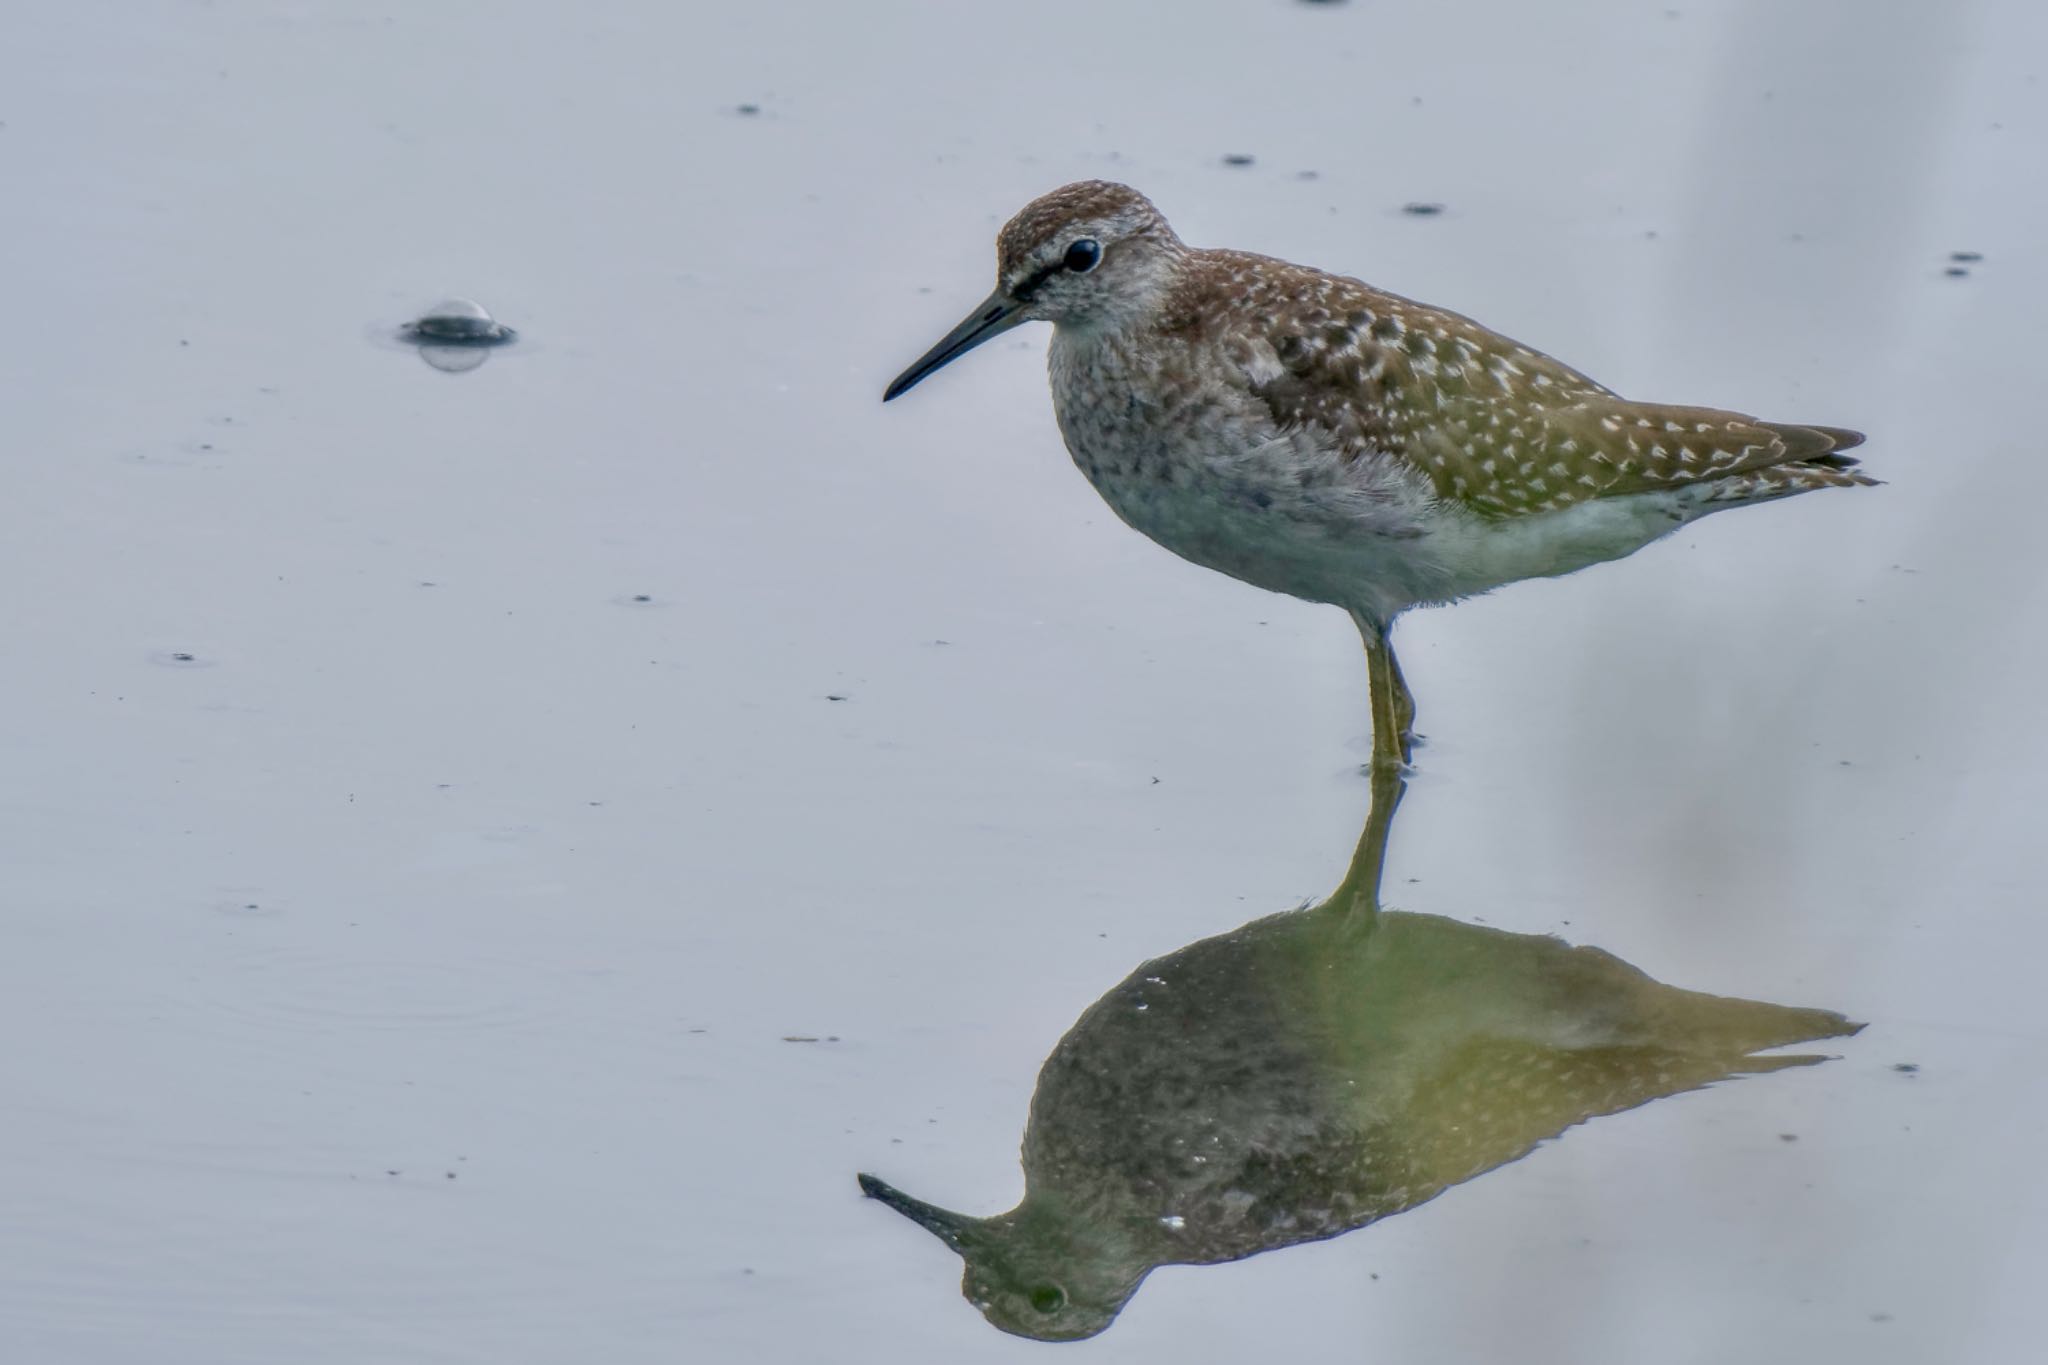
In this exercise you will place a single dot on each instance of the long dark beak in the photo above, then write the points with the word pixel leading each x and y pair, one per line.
pixel 949 1227
pixel 998 314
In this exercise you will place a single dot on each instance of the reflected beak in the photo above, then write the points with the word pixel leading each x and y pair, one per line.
pixel 998 314
pixel 950 1228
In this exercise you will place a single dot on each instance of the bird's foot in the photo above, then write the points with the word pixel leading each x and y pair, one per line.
pixel 1399 755
pixel 1396 764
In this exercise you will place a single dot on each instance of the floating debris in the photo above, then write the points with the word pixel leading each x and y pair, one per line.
pixel 749 110
pixel 1966 256
pixel 1239 159
pixel 463 321
pixel 456 335
pixel 1956 272
pixel 1422 210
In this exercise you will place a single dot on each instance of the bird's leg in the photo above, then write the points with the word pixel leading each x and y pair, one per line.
pixel 1404 702
pixel 1359 894
pixel 1393 709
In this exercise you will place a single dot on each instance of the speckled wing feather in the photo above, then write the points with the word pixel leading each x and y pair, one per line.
pixel 1497 427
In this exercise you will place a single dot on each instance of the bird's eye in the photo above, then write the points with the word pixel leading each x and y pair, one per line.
pixel 1049 1298
pixel 1083 256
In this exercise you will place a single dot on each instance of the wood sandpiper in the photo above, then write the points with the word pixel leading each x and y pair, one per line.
pixel 1313 435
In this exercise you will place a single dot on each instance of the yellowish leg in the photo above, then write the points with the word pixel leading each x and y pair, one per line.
pixel 1393 709
pixel 1404 704
pixel 1359 893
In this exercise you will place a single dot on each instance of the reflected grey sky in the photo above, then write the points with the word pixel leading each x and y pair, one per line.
pixel 544 879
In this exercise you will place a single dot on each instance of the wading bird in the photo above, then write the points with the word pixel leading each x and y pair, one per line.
pixel 1313 435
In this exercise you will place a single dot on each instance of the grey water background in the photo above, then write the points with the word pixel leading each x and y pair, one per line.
pixel 407 973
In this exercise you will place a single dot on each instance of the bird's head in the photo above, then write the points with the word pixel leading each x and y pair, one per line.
pixel 1031 1272
pixel 1090 254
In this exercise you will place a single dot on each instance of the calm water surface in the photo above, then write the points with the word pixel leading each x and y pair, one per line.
pixel 491 855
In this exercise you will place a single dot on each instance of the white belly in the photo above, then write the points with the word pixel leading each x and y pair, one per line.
pixel 1376 559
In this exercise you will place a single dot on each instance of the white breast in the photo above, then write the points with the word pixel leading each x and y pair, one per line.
pixel 1208 475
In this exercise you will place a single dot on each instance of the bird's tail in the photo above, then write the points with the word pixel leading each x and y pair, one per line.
pixel 1813 459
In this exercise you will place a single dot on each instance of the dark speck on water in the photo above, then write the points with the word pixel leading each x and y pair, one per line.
pixel 1238 159
pixel 835 696
pixel 1907 1067
pixel 748 109
pixel 1966 255
pixel 1955 272
pixel 1422 210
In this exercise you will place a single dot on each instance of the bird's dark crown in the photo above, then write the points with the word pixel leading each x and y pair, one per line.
pixel 1100 207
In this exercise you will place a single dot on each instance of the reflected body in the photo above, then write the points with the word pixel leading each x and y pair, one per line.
pixel 1313 435
pixel 1313 1072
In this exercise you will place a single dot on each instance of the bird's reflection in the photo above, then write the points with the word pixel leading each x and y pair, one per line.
pixel 1313 1072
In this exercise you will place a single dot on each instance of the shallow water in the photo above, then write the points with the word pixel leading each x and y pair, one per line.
pixel 492 854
